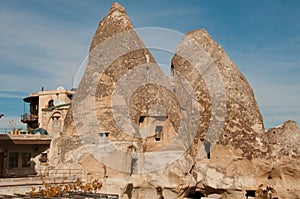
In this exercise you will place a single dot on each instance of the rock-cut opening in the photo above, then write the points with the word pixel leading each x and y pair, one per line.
pixel 195 195
pixel 191 193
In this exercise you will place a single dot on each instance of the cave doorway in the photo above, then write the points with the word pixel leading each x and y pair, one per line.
pixel 195 195
pixel 250 194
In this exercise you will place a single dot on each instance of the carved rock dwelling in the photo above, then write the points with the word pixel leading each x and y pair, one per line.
pixel 198 133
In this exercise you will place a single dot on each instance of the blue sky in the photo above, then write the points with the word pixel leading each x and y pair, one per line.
pixel 44 42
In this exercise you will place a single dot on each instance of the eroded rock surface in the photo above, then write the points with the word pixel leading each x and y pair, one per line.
pixel 202 62
pixel 128 121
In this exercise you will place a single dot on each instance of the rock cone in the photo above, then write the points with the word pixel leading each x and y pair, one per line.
pixel 132 127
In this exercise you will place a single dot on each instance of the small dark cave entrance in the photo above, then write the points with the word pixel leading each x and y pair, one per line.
pixel 197 193
pixel 250 193
pixel 141 119
pixel 193 194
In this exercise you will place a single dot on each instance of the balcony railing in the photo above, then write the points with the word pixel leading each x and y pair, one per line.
pixel 62 173
pixel 29 118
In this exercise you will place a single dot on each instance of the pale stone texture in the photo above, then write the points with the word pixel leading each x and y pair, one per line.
pixel 121 92
pixel 243 121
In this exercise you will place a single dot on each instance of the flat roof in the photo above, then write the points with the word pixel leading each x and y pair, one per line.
pixel 49 92
pixel 26 139
pixel 28 99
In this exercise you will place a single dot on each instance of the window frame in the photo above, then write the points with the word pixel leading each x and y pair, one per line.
pixel 13 163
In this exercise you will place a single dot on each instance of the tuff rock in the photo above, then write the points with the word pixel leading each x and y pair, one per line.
pixel 138 131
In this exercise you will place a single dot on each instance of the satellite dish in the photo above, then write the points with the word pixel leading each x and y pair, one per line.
pixel 60 88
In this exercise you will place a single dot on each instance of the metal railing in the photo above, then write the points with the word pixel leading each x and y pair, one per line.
pixel 19 172
pixel 52 173
pixel 13 131
pixel 62 173
pixel 29 117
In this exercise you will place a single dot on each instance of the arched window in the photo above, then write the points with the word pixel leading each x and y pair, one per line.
pixel 51 103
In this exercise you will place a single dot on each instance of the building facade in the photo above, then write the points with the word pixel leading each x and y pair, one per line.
pixel 47 109
pixel 26 153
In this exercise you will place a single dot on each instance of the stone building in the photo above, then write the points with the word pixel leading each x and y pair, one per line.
pixel 26 153
pixel 21 154
pixel 47 109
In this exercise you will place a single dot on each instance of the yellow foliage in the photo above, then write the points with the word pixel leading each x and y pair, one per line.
pixel 58 190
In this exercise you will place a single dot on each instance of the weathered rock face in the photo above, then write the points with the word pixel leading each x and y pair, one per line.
pixel 115 22
pixel 284 140
pixel 200 135
pixel 205 65
pixel 119 96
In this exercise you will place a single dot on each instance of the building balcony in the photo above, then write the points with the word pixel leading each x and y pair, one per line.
pixel 26 118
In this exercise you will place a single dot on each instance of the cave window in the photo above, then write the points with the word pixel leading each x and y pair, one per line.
pixel 207 148
pixel 195 195
pixel 104 134
pixel 172 70
pixel 43 158
pixel 142 119
pixel 250 193
pixel 158 132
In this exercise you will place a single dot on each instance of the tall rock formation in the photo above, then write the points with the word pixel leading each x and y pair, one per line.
pixel 201 134
pixel 220 85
